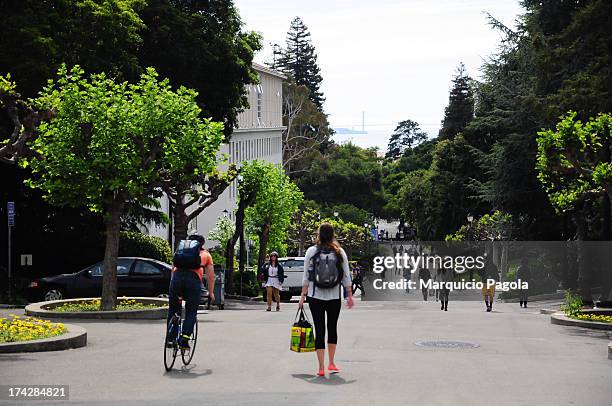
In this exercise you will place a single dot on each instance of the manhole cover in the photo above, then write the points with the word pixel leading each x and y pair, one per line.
pixel 447 344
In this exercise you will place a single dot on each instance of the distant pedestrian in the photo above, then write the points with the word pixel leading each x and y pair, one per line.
pixel 326 270
pixel 524 274
pixel 274 277
pixel 488 275
pixel 424 277
pixel 357 279
pixel 446 277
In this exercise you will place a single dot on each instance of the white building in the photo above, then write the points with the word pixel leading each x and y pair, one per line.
pixel 257 136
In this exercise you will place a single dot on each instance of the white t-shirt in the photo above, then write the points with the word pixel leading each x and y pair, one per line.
pixel 325 293
pixel 273 277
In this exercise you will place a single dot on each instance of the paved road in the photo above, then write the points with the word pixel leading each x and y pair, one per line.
pixel 243 358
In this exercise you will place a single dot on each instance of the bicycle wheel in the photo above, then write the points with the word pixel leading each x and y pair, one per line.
pixel 170 352
pixel 193 340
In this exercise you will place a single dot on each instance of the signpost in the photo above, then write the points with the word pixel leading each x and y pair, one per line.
pixel 10 210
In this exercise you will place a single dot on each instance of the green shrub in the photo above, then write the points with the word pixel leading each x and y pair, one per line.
pixel 250 285
pixel 573 305
pixel 132 244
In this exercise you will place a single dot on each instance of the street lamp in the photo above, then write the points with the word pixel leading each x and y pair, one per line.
pixel 470 217
pixel 336 215
pixel 225 213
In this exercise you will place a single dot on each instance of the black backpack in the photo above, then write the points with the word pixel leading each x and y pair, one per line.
pixel 187 256
pixel 326 269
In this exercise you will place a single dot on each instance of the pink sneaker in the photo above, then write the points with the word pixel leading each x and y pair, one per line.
pixel 333 369
pixel 321 372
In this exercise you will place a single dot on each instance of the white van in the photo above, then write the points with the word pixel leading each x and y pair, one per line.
pixel 294 273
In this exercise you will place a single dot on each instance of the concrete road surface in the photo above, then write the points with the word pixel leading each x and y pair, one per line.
pixel 243 358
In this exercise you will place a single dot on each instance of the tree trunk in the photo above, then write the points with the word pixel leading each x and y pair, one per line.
pixel 109 280
pixel 181 223
pixel 231 244
pixel 605 207
pixel 264 237
pixel 584 280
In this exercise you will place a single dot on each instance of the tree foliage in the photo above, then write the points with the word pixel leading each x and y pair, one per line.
pixel 299 60
pixel 269 217
pixel 574 161
pixel 114 143
pixel 460 109
pixel 407 134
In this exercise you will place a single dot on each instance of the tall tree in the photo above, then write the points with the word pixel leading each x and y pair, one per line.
pixel 299 60
pixel 460 109
pixel 110 145
pixel 202 45
pixel 407 134
pixel 307 134
pixel 36 37
pixel 270 216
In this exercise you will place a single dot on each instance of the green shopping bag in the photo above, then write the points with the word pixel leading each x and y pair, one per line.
pixel 302 335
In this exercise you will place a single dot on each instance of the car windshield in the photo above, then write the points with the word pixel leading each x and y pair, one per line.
pixel 292 263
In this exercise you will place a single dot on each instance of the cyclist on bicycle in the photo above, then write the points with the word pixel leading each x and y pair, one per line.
pixel 187 283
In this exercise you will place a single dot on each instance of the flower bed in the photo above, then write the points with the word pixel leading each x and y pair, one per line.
pixel 15 329
pixel 593 317
pixel 93 305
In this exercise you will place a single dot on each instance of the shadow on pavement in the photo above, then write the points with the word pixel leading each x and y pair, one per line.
pixel 186 373
pixel 15 357
pixel 319 380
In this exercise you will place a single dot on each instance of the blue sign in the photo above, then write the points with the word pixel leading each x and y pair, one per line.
pixel 10 206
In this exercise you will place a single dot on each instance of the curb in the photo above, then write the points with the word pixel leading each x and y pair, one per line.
pixel 610 350
pixel 245 298
pixel 561 319
pixel 76 337
pixel 548 311
pixel 45 310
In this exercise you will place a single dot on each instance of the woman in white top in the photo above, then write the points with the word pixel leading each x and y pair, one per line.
pixel 324 297
pixel 274 276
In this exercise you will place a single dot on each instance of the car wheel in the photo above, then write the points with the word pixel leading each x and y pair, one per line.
pixel 53 294
pixel 286 296
pixel 163 295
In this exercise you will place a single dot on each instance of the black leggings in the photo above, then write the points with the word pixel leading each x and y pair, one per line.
pixel 318 308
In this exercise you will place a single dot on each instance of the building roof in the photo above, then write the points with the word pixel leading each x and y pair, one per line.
pixel 269 71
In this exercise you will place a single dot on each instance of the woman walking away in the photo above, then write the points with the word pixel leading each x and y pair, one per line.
pixel 445 278
pixel 326 271
pixel 272 272
pixel 524 275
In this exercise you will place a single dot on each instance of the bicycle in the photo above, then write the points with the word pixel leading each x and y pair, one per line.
pixel 171 351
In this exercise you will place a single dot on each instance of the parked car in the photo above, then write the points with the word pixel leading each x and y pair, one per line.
pixel 135 277
pixel 294 272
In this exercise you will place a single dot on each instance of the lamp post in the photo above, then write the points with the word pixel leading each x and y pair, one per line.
pixel 335 215
pixel 366 237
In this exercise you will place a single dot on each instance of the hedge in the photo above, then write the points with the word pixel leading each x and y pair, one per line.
pixel 133 244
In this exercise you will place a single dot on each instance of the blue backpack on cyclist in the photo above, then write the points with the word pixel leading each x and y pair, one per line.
pixel 187 256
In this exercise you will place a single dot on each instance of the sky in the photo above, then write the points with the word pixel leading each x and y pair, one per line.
pixel 391 60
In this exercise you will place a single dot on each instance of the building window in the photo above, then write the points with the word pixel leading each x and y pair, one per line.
pixel 259 105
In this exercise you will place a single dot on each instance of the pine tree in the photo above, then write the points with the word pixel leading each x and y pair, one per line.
pixel 406 135
pixel 460 109
pixel 299 60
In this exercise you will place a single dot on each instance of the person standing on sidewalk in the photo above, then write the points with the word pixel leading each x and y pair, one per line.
pixel 326 271
pixel 274 276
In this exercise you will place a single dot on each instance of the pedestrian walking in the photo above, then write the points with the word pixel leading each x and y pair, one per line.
pixel 273 275
pixel 424 277
pixel 357 279
pixel 488 275
pixel 524 274
pixel 326 270
pixel 446 276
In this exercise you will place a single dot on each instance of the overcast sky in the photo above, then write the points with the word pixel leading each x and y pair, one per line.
pixel 391 59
